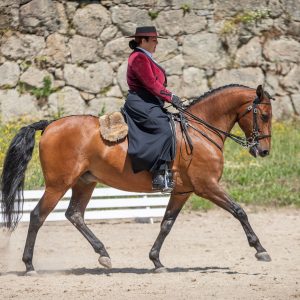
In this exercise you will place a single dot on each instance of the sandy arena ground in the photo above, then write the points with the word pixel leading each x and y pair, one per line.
pixel 207 255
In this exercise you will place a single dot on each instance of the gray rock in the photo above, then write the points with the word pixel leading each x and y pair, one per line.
pixel 192 4
pixel 62 18
pixel 203 50
pixel 145 3
pixel 175 85
pixel 57 84
pixel 59 74
pixel 92 79
pixel 282 108
pixel 56 50
pixel 127 18
pixel 121 77
pixel 87 96
pixel 276 8
pixel 84 49
pixel 174 65
pixel 14 105
pixel 39 16
pixel 251 77
pixel 292 7
pixel 91 20
pixel 22 46
pixel 192 23
pixel 194 82
pixel 103 105
pixel 9 12
pixel 66 102
pixel 292 80
pixel 250 54
pixel 273 85
pixel 34 77
pixel 296 103
pixel 71 7
pixel 166 49
pixel 170 23
pixel 117 50
pixel 283 49
pixel 9 74
pixel 281 68
pixel 232 7
pixel 108 33
pixel 115 92
pixel 294 30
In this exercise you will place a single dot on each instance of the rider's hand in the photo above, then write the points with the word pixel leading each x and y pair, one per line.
pixel 176 102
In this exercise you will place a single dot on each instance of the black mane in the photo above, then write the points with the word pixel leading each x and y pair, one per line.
pixel 211 92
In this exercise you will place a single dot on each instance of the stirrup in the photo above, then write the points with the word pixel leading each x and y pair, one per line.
pixel 162 181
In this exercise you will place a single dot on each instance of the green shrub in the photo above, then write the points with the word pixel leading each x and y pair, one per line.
pixel 246 17
pixel 153 14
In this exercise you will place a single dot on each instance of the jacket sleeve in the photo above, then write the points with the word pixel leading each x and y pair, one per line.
pixel 142 69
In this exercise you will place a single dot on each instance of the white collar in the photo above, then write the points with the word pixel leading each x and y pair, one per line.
pixel 146 52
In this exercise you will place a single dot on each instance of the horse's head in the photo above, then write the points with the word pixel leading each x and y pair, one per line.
pixel 255 121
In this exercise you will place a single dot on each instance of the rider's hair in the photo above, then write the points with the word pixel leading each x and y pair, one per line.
pixel 137 41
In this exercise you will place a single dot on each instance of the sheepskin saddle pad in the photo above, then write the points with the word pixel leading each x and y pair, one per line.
pixel 113 127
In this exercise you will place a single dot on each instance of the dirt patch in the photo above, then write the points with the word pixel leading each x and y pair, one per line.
pixel 207 256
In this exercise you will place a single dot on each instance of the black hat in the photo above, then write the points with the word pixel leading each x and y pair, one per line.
pixel 146 31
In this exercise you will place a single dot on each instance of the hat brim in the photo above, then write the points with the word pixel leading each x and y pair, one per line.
pixel 146 35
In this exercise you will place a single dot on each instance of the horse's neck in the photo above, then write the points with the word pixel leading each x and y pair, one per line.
pixel 220 110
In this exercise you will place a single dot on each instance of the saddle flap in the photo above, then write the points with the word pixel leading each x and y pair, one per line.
pixel 113 127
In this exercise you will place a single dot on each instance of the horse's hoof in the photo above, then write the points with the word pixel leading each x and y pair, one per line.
pixel 31 273
pixel 263 256
pixel 105 262
pixel 160 270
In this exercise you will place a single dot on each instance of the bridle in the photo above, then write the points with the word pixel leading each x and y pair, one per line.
pixel 248 143
pixel 255 134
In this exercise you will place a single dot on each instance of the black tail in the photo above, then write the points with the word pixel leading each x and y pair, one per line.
pixel 17 158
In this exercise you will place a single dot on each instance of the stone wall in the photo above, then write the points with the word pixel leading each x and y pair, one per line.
pixel 70 57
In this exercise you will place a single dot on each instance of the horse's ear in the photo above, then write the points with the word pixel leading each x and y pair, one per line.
pixel 260 92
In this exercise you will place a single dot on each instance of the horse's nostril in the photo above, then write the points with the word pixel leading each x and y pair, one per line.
pixel 265 152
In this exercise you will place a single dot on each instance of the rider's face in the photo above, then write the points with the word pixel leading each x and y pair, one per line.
pixel 149 45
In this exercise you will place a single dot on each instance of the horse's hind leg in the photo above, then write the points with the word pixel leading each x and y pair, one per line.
pixel 174 207
pixel 219 197
pixel 37 218
pixel 81 194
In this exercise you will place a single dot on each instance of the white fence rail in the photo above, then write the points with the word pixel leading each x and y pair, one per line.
pixel 105 203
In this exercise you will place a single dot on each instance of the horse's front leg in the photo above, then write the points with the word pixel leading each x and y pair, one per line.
pixel 175 205
pixel 216 194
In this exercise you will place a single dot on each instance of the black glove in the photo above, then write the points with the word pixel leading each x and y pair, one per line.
pixel 176 102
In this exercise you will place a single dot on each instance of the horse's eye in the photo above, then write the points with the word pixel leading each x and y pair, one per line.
pixel 265 117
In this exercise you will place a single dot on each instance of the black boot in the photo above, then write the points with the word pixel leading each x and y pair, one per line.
pixel 162 180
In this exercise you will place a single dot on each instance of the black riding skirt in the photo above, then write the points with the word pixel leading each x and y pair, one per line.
pixel 150 137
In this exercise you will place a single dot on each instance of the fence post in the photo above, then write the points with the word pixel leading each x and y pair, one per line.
pixel 148 207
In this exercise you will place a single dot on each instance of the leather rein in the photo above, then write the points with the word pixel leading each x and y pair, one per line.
pixel 248 143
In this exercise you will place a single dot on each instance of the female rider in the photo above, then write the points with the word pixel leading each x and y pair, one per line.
pixel 151 142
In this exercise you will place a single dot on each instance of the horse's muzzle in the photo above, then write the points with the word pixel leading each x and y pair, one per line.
pixel 257 151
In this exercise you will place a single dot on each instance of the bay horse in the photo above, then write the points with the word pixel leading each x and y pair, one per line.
pixel 73 155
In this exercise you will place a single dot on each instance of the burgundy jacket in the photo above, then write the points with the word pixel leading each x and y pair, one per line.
pixel 143 73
